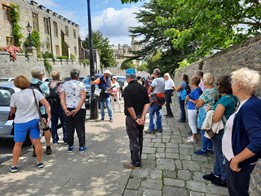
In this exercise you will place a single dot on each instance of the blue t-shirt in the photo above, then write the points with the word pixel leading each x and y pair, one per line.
pixel 184 86
pixel 229 102
pixel 194 95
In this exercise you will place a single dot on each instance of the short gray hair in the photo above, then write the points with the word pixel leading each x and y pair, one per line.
pixel 131 76
pixel 157 71
pixel 37 72
pixel 75 73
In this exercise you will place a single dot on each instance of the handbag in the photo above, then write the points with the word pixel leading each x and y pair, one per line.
pixel 42 120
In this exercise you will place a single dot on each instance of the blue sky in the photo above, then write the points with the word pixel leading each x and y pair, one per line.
pixel 108 16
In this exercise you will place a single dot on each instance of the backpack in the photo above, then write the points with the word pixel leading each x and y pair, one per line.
pixel 54 97
pixel 37 87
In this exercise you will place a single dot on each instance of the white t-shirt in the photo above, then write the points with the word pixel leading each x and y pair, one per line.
pixel 169 84
pixel 227 137
pixel 25 106
pixel 72 91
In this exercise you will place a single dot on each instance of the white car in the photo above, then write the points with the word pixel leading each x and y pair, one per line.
pixel 6 119
pixel 6 79
pixel 123 83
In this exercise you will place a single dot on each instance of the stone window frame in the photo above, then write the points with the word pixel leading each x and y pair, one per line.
pixel 35 21
pixel 67 31
pixel 55 29
pixel 74 33
pixel 46 26
pixel 57 50
pixel 9 40
pixel 6 12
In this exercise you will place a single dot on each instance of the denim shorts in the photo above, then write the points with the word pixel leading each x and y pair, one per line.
pixel 21 129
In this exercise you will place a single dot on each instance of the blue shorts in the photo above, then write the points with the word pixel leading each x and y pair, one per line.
pixel 21 129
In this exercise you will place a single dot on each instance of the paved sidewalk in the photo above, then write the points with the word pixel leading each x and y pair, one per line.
pixel 169 166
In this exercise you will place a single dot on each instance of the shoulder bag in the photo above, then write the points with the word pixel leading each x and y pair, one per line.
pixel 42 120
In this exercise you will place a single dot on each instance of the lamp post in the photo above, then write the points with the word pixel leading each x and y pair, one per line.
pixel 93 108
pixel 29 29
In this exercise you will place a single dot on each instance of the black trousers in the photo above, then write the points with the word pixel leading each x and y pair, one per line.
pixel 76 122
pixel 238 182
pixel 135 133
pixel 168 94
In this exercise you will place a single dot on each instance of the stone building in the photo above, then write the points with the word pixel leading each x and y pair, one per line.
pixel 124 51
pixel 58 35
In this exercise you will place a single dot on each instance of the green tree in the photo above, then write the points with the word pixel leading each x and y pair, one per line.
pixel 102 45
pixel 207 25
pixel 155 40
pixel 127 64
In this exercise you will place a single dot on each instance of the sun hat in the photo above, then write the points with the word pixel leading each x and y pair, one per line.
pixel 107 72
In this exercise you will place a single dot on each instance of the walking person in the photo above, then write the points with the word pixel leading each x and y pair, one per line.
pixel 182 92
pixel 104 83
pixel 241 143
pixel 136 105
pixel 73 95
pixel 57 112
pixel 169 88
pixel 157 87
pixel 115 93
pixel 37 83
pixel 27 119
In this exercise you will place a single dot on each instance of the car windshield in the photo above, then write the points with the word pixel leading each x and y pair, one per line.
pixel 5 95
pixel 121 79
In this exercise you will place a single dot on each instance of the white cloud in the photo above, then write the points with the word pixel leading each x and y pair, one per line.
pixel 114 24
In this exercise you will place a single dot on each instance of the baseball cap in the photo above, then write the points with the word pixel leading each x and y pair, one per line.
pixel 130 72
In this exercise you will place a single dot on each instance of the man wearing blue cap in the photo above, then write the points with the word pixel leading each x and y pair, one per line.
pixel 136 105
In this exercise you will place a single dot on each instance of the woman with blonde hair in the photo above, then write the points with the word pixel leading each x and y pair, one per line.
pixel 241 143
pixel 26 119
pixel 206 101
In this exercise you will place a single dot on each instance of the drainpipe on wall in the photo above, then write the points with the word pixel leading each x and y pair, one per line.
pixel 51 39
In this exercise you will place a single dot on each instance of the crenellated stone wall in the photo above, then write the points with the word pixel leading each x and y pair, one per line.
pixel 248 55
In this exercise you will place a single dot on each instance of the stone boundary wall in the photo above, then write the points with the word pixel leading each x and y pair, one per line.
pixel 248 55
pixel 23 66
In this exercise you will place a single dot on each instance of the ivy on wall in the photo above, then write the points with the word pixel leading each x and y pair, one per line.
pixel 16 29
pixel 35 40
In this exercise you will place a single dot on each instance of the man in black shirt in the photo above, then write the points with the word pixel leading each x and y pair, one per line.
pixel 136 105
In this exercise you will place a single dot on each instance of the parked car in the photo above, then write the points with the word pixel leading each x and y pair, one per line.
pixel 123 83
pixel 6 118
pixel 87 83
pixel 6 79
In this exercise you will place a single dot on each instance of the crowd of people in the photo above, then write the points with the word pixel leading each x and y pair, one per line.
pixel 215 110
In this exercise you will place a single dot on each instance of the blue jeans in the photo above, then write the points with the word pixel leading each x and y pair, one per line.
pixel 182 110
pixel 206 143
pixel 219 165
pixel 108 104
pixel 58 113
pixel 155 108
